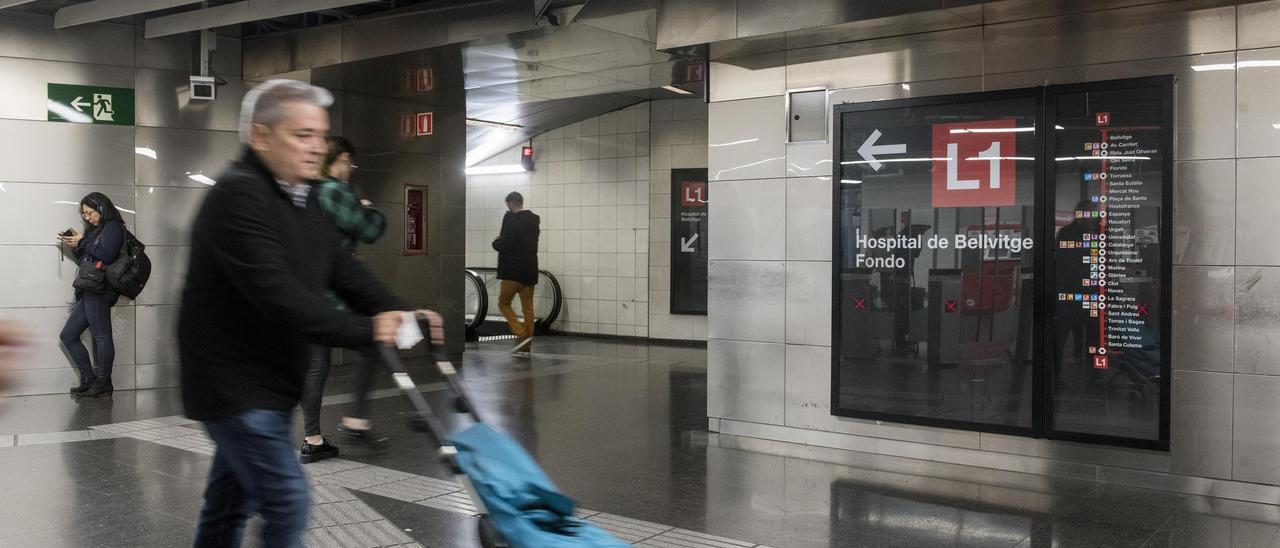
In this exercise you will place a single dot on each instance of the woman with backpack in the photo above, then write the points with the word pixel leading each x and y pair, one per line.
pixel 97 247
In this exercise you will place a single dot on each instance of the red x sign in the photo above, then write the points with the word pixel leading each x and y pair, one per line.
pixel 1142 310
pixel 860 304
pixel 952 306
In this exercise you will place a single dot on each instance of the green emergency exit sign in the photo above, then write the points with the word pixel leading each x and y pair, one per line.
pixel 90 104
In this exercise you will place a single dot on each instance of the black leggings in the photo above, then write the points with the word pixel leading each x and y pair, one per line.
pixel 93 312
pixel 313 390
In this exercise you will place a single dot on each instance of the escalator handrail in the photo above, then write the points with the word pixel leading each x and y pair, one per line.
pixel 557 294
pixel 482 307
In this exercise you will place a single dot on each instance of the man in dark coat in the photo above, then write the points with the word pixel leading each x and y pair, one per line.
pixel 517 247
pixel 262 256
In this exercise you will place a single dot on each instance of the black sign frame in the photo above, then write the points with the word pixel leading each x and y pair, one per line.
pixel 1042 389
pixel 1166 86
pixel 687 298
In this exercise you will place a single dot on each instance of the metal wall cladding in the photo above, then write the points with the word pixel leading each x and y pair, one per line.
pixel 1204 318
pixel 35 212
pixel 165 214
pixel 747 139
pixel 157 376
pixel 752 216
pixel 157 338
pixel 1201 423
pixel 746 300
pixel 934 56
pixel 164 100
pixel 745 380
pixel 1255 431
pixel 56 152
pixel 45 351
pixel 1257 84
pixel 1257 320
pixel 1257 23
pixel 1255 218
pixel 176 52
pixel 1143 32
pixel 761 75
pixel 168 274
pixel 688 22
pixel 287 52
pixel 182 153
pixel 808 213
pixel 25 92
pixel 32 37
pixel 389 125
pixel 1204 213
pixel 808 303
pixel 44 279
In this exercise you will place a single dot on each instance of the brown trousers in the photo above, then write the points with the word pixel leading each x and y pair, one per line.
pixel 508 291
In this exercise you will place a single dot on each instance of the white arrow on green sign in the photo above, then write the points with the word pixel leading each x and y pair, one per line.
pixel 90 104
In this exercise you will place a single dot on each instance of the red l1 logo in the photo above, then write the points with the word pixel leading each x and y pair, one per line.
pixel 973 163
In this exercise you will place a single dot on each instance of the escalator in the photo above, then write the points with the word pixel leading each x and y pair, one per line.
pixel 480 304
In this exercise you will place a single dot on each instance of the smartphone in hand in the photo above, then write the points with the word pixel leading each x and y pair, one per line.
pixel 68 232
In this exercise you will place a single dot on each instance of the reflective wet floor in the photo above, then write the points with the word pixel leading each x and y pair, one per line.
pixel 620 426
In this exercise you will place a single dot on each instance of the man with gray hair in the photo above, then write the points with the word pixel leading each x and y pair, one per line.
pixel 262 257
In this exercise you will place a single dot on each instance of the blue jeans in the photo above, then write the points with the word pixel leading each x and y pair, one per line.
pixel 93 312
pixel 255 470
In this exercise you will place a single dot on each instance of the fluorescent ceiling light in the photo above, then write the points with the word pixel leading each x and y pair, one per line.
pixel 1058 127
pixel 200 178
pixel 144 151
pixel 1242 64
pixel 495 170
pixel 995 130
pixel 674 89
pixel 850 182
pixel 494 125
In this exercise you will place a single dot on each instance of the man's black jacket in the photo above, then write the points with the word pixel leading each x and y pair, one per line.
pixel 255 297
pixel 517 247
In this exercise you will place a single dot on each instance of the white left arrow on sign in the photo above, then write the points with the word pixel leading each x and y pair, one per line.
pixel 686 245
pixel 870 149
pixel 79 102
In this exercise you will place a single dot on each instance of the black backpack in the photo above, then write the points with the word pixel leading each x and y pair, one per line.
pixel 131 270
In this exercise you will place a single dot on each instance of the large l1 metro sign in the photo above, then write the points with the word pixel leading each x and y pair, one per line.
pixel 977 166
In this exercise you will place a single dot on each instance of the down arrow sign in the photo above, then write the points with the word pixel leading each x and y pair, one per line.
pixel 687 245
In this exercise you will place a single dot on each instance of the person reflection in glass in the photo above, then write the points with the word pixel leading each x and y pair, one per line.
pixel 1071 321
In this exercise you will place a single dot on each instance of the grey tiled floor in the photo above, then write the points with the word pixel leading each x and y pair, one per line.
pixel 621 427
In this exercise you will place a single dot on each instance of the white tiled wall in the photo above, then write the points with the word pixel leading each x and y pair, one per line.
pixel 591 189
pixel 679 127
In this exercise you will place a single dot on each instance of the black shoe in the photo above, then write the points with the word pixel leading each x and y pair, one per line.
pixel 312 453
pixel 85 384
pixel 100 387
pixel 368 438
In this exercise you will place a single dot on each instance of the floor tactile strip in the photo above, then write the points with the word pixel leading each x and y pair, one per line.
pixel 627 529
pixel 53 437
pixel 680 538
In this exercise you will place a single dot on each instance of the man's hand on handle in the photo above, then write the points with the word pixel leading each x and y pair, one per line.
pixel 436 321
pixel 385 325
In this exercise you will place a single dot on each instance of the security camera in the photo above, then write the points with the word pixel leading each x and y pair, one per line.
pixel 203 88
